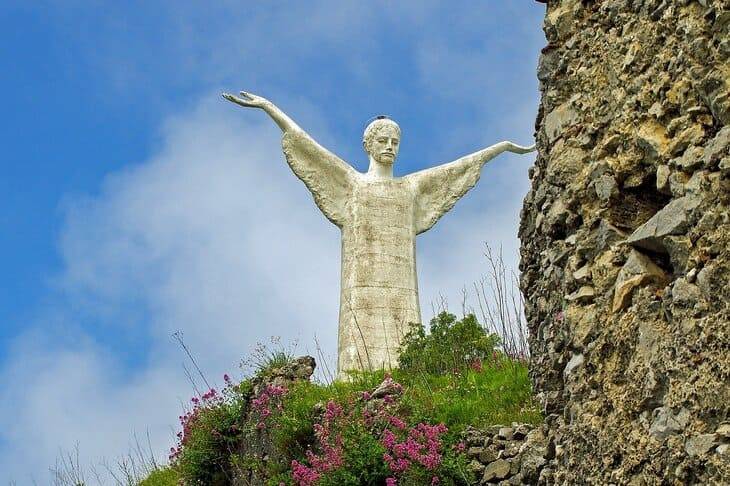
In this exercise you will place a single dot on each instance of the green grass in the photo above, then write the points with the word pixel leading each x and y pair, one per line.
pixel 498 394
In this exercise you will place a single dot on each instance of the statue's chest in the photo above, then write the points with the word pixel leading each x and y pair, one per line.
pixel 382 204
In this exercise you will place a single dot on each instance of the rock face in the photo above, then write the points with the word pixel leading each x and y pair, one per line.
pixel 509 455
pixel 626 241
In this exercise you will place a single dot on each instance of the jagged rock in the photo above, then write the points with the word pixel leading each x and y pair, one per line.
pixel 575 361
pixel 559 119
pixel 533 455
pixel 662 179
pixel 298 369
pixel 487 455
pixel 700 444
pixel 505 433
pixel 583 294
pixel 638 270
pixel 652 138
pixel 498 469
pixel 516 480
pixel 583 274
pixel 263 447
pixel 723 431
pixel 666 422
pixel 724 165
pixel 678 248
pixel 508 447
pixel 677 181
pixel 606 187
pixel 474 451
pixel 672 219
pixel 717 148
pixel 685 293
pixel 387 387
pixel 476 467
pixel 684 139
pixel 691 159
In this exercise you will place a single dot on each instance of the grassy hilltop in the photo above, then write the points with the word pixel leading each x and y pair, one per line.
pixel 403 427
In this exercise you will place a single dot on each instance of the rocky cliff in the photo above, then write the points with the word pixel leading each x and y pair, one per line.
pixel 626 242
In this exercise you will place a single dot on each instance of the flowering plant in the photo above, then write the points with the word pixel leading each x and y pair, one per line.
pixel 372 438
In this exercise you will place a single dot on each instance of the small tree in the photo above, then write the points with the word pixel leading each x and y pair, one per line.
pixel 449 345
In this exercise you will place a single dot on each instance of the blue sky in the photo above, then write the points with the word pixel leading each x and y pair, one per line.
pixel 136 203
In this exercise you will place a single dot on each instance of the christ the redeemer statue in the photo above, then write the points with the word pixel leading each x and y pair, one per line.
pixel 379 216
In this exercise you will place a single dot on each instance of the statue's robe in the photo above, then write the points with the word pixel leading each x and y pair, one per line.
pixel 379 220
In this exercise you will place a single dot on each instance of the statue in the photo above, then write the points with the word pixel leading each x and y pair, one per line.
pixel 379 216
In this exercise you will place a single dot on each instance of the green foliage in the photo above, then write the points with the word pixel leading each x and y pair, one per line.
pixel 451 345
pixel 452 375
pixel 211 436
pixel 498 393
pixel 166 476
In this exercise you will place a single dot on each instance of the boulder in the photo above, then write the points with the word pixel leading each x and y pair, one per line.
pixel 496 470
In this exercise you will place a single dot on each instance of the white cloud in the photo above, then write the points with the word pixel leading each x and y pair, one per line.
pixel 212 236
pixel 57 398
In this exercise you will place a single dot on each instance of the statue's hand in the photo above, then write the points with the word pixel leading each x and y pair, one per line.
pixel 519 149
pixel 247 99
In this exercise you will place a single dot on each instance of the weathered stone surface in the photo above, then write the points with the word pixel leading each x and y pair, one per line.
pixel 583 294
pixel 606 187
pixel 513 454
pixel 505 433
pixel 717 148
pixel 666 422
pixel 498 469
pixel 575 361
pixel 700 444
pixel 638 270
pixel 685 293
pixel 559 119
pixel 640 90
pixel 672 219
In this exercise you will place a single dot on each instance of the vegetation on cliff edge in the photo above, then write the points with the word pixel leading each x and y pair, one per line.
pixel 402 427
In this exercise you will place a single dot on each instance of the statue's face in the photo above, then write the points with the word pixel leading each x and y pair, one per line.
pixel 384 145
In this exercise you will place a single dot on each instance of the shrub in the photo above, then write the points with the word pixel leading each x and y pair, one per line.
pixel 162 477
pixel 210 435
pixel 451 345
pixel 376 441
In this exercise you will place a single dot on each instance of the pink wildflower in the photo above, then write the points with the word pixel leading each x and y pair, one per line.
pixel 303 475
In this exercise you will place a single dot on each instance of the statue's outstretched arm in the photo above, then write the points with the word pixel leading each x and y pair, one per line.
pixel 483 156
pixel 249 100
pixel 328 177
pixel 438 188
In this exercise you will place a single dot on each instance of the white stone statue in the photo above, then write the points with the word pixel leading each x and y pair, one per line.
pixel 379 216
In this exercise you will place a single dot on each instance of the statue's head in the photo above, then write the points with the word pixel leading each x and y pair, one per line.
pixel 382 139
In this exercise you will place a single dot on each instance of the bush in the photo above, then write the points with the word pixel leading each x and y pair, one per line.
pixel 450 345
pixel 376 441
pixel 162 477
pixel 210 435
